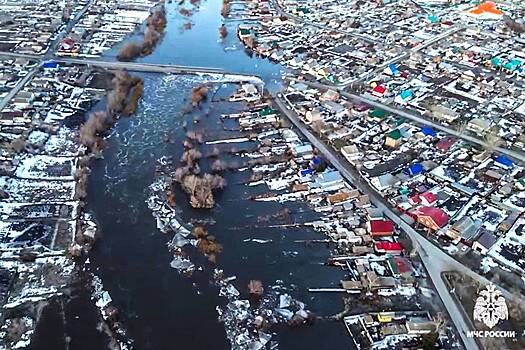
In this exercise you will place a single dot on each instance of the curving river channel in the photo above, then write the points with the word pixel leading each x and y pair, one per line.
pixel 160 308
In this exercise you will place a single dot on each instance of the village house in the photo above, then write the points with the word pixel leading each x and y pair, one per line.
pixel 393 139
pixel 431 217
pixel 485 241
pixel 380 228
pixel 464 229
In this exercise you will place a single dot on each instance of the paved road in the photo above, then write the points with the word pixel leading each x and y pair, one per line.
pixel 352 175
pixel 433 258
pixel 404 55
pixel 54 44
pixel 18 87
pixel 515 154
pixel 133 66
pixel 299 19
pixel 142 67
pixel 418 119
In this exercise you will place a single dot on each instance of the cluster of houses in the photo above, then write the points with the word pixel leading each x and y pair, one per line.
pixel 399 23
pixel 12 71
pixel 344 44
pixel 105 24
pixel 390 53
pixel 31 26
pixel 321 54
pixel 367 244
pixel 445 186
pixel 390 330
pixel 41 213
pixel 459 193
pixel 248 11
pixel 476 99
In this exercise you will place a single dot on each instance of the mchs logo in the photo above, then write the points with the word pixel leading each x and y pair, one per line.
pixel 490 309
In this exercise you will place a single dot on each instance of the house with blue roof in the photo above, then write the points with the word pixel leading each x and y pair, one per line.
pixel 306 172
pixel 329 179
pixel 50 65
pixel 433 19
pixel 504 161
pixel 404 96
pixel 391 69
pixel 414 169
pixel 428 131
pixel 496 62
pixel 512 65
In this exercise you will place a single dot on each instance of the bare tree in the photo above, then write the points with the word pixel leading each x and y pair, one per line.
pixel 462 127
pixel 513 25
pixel 492 140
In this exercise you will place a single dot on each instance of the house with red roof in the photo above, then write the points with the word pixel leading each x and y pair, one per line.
pixel 428 198
pixel 430 217
pixel 414 200
pixel 401 267
pixel 445 143
pixel 388 247
pixel 379 91
pixel 380 228
pixel 67 44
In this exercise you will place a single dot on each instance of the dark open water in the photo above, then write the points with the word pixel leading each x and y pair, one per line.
pixel 161 309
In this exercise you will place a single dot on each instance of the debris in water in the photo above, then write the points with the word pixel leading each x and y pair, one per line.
pixel 255 288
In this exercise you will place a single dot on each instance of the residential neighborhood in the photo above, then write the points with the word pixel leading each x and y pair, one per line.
pixel 278 174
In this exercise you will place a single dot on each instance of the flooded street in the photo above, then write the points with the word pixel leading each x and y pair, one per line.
pixel 160 308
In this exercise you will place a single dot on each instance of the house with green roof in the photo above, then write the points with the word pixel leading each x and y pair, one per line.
pixel 393 138
pixel 266 111
pixel 377 115
pixel 301 10
pixel 243 32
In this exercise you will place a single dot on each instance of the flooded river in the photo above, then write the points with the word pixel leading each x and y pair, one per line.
pixel 160 308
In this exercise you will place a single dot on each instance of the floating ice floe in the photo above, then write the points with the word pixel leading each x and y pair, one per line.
pixel 257 240
pixel 182 264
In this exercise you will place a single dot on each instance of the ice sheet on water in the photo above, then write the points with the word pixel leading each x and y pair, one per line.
pixel 179 240
pixel 287 314
pixel 257 240
pixel 284 300
pixel 290 254
pixel 104 300
pixel 229 291
pixel 182 264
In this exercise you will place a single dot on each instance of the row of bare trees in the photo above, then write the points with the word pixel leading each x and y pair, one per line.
pixel 514 25
pixel 198 186
pixel 156 23
pixel 122 100
pixel 225 9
